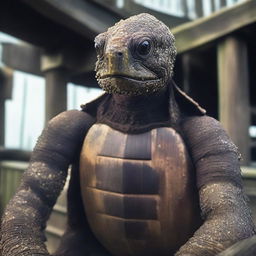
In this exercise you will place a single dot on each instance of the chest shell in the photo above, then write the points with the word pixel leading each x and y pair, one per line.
pixel 138 190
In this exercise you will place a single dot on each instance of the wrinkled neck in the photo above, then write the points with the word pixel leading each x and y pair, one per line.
pixel 136 114
pixel 142 102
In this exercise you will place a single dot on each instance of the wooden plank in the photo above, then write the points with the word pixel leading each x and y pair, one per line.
pixel 205 30
pixel 55 92
pixel 234 111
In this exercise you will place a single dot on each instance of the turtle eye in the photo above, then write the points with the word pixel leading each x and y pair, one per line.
pixel 143 48
pixel 99 47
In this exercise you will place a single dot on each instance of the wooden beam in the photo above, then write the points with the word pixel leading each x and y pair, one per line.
pixel 21 21
pixel 22 57
pixel 83 17
pixel 205 30
pixel 79 61
pixel 14 155
pixel 234 110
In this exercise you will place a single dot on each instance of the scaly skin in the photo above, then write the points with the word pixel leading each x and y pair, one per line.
pixel 226 215
pixel 25 217
pixel 122 69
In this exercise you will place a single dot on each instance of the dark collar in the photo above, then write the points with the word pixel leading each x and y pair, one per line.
pixel 139 114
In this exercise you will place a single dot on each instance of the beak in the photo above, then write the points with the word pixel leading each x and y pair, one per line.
pixel 122 64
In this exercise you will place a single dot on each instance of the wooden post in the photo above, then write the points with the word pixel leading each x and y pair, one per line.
pixel 56 79
pixel 55 92
pixel 2 115
pixel 185 7
pixel 199 8
pixel 186 62
pixel 234 109
pixel 6 84
pixel 213 8
pixel 223 3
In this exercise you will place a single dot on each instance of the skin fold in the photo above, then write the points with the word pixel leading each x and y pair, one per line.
pixel 135 68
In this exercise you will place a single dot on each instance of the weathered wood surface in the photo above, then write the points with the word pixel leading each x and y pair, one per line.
pixel 6 85
pixel 55 92
pixel 79 61
pixel 136 188
pixel 10 176
pixel 234 106
pixel 199 8
pixel 84 17
pixel 16 19
pixel 23 57
pixel 205 30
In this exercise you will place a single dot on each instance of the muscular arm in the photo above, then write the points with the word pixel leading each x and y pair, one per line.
pixel 224 209
pixel 25 216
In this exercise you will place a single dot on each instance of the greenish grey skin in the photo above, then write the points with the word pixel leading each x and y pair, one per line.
pixel 122 69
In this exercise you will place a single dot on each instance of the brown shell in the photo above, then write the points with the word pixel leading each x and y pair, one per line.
pixel 138 190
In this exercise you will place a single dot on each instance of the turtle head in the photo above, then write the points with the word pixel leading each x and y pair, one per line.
pixel 135 57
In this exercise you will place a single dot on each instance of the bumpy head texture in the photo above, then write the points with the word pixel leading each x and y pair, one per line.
pixel 136 56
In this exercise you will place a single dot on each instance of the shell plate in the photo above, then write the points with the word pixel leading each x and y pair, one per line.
pixel 138 190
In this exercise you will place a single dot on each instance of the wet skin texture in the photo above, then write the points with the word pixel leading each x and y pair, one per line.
pixel 134 67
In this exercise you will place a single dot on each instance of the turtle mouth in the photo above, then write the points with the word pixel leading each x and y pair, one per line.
pixel 131 78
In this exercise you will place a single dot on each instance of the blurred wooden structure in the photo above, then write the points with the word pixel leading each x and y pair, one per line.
pixel 215 64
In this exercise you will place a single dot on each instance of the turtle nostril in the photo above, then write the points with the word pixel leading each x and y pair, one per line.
pixel 119 54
